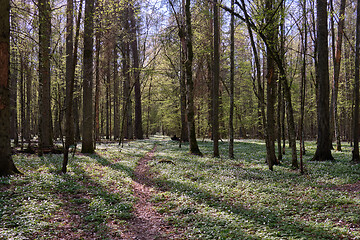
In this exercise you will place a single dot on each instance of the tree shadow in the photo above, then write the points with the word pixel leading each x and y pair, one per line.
pixel 266 218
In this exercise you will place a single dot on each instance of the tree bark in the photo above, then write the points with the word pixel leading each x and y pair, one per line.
pixel 44 75
pixel 194 148
pixel 7 166
pixel 355 152
pixel 138 130
pixel 215 81
pixel 87 128
pixel 323 151
pixel 232 73
pixel 116 97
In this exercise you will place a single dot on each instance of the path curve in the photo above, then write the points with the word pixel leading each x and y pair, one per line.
pixel 147 223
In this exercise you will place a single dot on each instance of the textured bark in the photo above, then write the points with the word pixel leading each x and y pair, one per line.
pixel 323 151
pixel 355 152
pixel 194 148
pixel 232 73
pixel 271 79
pixel 7 166
pixel 138 130
pixel 87 127
pixel 215 82
pixel 44 75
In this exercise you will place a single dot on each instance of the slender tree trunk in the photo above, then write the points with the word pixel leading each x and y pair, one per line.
pixel 337 62
pixel 44 75
pixel 7 166
pixel 116 97
pixel 215 81
pixel 13 102
pixel 22 100
pixel 87 136
pixel 355 152
pixel 108 101
pixel 97 87
pixel 232 73
pixel 302 89
pixel 194 149
pixel 138 130
pixel 28 105
pixel 323 151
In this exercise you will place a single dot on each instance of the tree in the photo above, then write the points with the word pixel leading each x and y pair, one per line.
pixel 271 79
pixel 7 166
pixel 44 75
pixel 355 152
pixel 194 148
pixel 335 86
pixel 215 82
pixel 87 128
pixel 323 151
pixel 135 53
pixel 232 73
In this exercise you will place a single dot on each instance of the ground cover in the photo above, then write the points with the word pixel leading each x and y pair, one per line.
pixel 186 197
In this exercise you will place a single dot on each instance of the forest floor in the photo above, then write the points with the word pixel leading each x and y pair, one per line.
pixel 152 189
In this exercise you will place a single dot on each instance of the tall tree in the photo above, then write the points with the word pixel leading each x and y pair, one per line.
pixel 215 81
pixel 138 130
pixel 194 148
pixel 7 166
pixel 71 61
pixel 355 152
pixel 323 151
pixel 335 86
pixel 44 75
pixel 232 74
pixel 271 79
pixel 87 128
pixel 116 96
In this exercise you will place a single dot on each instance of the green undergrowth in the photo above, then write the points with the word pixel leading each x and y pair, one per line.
pixel 222 198
pixel 44 204
pixel 209 198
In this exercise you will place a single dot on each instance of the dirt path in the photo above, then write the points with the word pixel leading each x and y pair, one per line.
pixel 147 223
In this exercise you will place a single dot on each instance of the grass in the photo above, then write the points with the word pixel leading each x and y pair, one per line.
pixel 211 198
pixel 220 198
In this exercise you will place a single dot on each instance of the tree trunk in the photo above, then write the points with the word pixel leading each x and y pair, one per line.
pixel 271 78
pixel 71 61
pixel 323 151
pixel 13 103
pixel 87 128
pixel 355 152
pixel 44 75
pixel 7 166
pixel 135 53
pixel 215 81
pixel 335 87
pixel 97 87
pixel 116 97
pixel 232 73
pixel 194 149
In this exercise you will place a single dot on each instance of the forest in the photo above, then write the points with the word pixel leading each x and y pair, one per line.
pixel 179 119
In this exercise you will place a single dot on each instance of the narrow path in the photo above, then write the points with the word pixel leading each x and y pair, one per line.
pixel 147 223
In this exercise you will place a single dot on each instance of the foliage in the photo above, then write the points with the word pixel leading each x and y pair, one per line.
pixel 211 198
pixel 97 188
pixel 240 199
